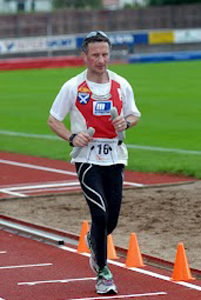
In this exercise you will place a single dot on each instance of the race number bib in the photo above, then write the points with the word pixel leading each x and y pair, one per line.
pixel 103 150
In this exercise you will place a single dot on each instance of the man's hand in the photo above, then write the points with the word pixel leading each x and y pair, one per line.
pixel 81 139
pixel 119 123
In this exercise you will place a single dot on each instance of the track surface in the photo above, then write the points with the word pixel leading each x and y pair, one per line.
pixel 32 270
pixel 22 176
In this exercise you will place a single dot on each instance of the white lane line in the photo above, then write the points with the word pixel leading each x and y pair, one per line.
pixel 56 281
pixel 159 276
pixel 31 135
pixel 64 189
pixel 60 186
pixel 3 252
pixel 123 296
pixel 41 186
pixel 133 183
pixel 142 271
pixel 19 164
pixel 26 266
pixel 7 191
pixel 46 187
pixel 141 147
pixel 15 190
pixel 160 149
pixel 36 167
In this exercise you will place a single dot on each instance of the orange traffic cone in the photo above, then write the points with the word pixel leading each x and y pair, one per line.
pixel 82 246
pixel 181 270
pixel 111 252
pixel 134 256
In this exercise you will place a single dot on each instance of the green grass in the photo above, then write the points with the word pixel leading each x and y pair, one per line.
pixel 167 94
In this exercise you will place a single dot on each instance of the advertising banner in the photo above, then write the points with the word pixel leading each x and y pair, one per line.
pixel 161 37
pixel 115 38
pixel 187 36
pixel 37 44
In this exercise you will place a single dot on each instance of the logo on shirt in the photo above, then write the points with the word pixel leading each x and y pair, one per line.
pixel 84 89
pixel 83 98
pixel 101 108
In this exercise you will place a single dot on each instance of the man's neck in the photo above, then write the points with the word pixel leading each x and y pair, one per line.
pixel 98 78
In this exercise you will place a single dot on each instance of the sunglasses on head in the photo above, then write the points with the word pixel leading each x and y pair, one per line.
pixel 95 33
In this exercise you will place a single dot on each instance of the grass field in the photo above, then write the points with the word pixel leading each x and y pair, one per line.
pixel 167 94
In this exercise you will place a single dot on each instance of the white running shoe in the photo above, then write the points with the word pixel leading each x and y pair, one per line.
pixel 105 283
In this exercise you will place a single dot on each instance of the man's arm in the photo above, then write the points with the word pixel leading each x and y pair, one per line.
pixel 80 140
pixel 133 120
pixel 120 123
pixel 59 128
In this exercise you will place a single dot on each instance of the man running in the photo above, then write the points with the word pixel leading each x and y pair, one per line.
pixel 89 98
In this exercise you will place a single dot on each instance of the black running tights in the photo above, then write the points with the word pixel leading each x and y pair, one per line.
pixel 102 188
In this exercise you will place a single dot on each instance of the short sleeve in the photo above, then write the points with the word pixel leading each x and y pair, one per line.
pixel 63 102
pixel 129 105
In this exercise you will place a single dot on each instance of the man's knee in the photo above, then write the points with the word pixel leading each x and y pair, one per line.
pixel 100 219
pixel 111 226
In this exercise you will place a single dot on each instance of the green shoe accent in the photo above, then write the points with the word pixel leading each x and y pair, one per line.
pixel 105 283
pixel 105 273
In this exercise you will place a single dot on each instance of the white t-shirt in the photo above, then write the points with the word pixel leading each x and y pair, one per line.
pixel 89 105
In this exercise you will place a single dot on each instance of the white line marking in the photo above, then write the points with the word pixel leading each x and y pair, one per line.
pixel 3 252
pixel 26 266
pixel 122 296
pixel 58 190
pixel 7 191
pixel 133 183
pixel 56 281
pixel 160 149
pixel 66 248
pixel 54 185
pixel 39 186
pixel 46 187
pixel 31 135
pixel 142 271
pixel 146 148
pixel 24 165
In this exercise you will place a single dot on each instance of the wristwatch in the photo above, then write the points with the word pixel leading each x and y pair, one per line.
pixel 128 124
pixel 71 138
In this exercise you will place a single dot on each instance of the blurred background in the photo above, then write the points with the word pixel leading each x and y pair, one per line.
pixel 56 27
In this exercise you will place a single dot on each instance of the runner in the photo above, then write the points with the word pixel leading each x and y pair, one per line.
pixel 89 98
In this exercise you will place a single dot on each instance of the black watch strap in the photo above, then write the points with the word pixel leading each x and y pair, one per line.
pixel 71 138
pixel 128 124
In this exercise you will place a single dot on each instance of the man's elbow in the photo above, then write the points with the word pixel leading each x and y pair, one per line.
pixel 50 122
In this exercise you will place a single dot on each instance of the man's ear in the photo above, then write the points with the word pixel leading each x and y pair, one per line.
pixel 83 55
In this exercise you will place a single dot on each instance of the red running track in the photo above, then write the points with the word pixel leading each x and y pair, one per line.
pixel 31 270
pixel 23 175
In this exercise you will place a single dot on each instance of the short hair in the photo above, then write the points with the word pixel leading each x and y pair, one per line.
pixel 95 36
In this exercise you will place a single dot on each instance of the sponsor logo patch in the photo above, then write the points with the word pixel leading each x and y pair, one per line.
pixel 101 108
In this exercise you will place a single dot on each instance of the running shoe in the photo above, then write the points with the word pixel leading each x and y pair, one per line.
pixel 105 283
pixel 92 259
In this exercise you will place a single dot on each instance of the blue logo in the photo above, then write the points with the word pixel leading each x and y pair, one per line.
pixel 102 108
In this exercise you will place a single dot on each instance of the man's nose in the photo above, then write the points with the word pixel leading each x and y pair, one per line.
pixel 101 58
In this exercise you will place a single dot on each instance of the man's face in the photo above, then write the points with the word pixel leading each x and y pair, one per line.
pixel 97 57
